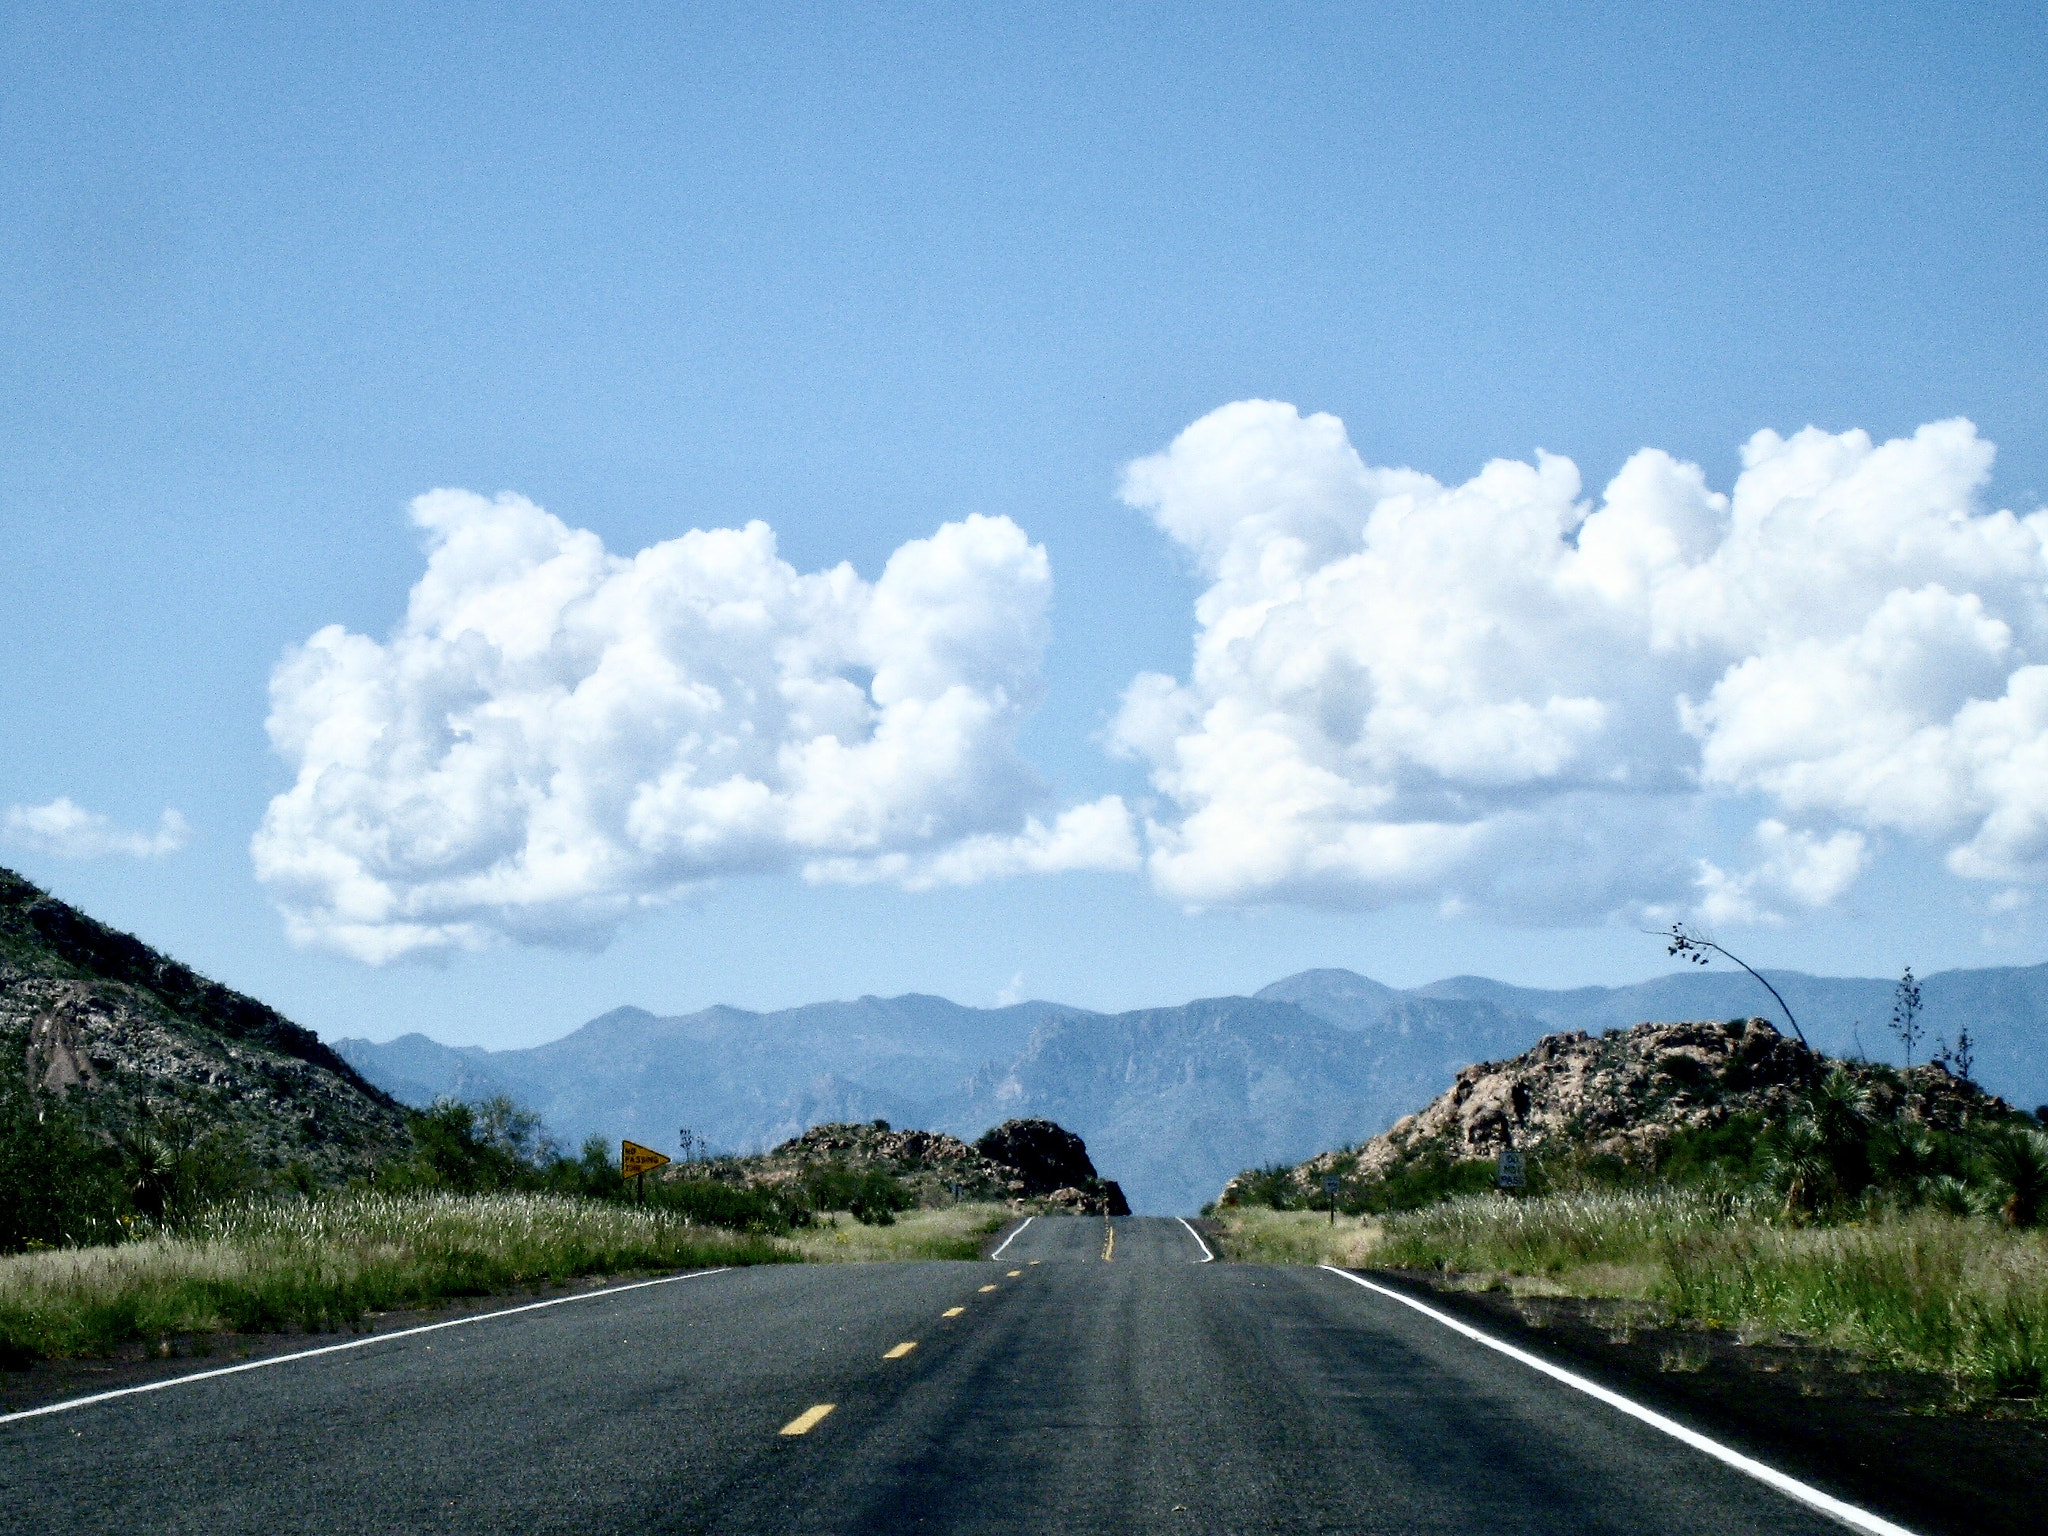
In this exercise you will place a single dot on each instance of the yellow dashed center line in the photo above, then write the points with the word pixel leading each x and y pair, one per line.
pixel 1015 1273
pixel 808 1420
pixel 901 1350
pixel 1037 1261
pixel 1109 1246
pixel 952 1311
pixel 986 1289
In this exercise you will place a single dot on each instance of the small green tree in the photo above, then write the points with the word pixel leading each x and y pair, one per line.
pixel 476 1148
pixel 175 1164
pixel 1821 1156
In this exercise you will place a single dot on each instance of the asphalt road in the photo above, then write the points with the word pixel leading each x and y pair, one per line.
pixel 1096 1377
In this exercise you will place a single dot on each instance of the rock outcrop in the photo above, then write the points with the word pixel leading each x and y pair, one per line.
pixel 1048 1156
pixel 102 1018
pixel 1628 1092
pixel 1021 1162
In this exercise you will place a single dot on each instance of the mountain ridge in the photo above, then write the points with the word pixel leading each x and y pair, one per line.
pixel 1172 1100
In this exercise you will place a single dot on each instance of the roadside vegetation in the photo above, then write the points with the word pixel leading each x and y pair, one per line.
pixel 328 1262
pixel 1910 1246
pixel 948 1232
pixel 160 1232
pixel 1254 1234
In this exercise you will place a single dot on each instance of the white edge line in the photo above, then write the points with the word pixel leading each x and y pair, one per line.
pixel 1791 1487
pixel 335 1349
pixel 1207 1256
pixel 1011 1238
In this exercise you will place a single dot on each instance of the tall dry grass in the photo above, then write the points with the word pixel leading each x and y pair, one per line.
pixel 324 1264
pixel 1960 1295
pixel 950 1232
pixel 1256 1234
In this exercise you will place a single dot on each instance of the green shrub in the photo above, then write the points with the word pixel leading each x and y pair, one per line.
pixel 716 1204
pixel 1271 1186
pixel 476 1148
pixel 869 1194
pixel 59 1186
pixel 1421 1182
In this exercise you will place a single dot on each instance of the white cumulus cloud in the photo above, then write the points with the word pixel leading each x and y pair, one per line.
pixel 1503 695
pixel 70 831
pixel 556 736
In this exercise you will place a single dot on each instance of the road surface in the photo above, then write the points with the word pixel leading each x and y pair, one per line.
pixel 1098 1377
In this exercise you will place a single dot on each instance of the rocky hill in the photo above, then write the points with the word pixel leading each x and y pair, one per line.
pixel 124 1031
pixel 1628 1093
pixel 1023 1162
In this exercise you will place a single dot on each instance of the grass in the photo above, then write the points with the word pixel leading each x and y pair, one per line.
pixel 1600 1243
pixel 1961 1296
pixel 325 1264
pixel 1930 1292
pixel 950 1232
pixel 1254 1234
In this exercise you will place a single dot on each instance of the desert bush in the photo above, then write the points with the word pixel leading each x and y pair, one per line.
pixel 2018 1160
pixel 474 1148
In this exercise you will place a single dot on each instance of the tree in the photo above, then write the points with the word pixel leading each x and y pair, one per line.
pixel 1906 1013
pixel 1696 947
pixel 476 1148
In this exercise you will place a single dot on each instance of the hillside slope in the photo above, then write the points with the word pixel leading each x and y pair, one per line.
pixel 98 1015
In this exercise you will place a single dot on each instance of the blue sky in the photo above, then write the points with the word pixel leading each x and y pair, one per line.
pixel 862 272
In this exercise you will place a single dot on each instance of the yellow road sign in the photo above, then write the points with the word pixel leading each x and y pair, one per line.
pixel 635 1159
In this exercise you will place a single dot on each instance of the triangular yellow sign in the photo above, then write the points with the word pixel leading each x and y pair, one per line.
pixel 635 1159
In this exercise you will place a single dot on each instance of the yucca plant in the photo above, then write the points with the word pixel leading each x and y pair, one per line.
pixel 2019 1161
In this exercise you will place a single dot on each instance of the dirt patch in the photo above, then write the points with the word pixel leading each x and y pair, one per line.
pixel 1897 1442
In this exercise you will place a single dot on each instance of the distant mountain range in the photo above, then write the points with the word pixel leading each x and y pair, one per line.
pixel 1171 1101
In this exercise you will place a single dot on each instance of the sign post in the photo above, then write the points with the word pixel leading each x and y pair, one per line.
pixel 1331 1184
pixel 635 1163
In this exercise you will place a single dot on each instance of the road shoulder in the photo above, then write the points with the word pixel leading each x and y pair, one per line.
pixel 1882 1439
